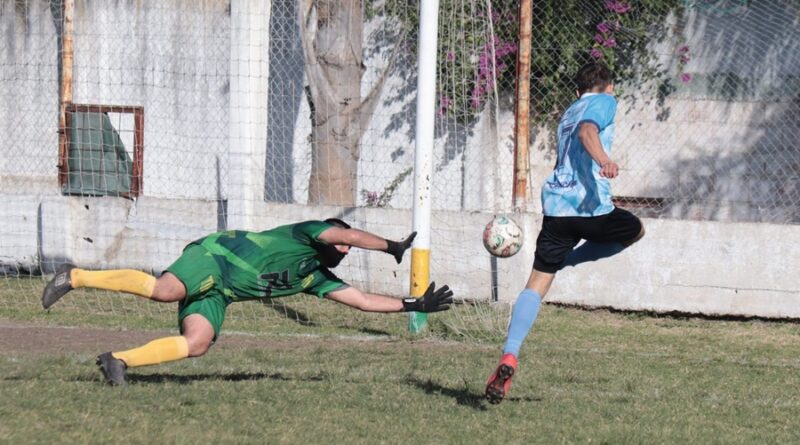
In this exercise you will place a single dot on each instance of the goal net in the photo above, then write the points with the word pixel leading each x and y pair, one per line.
pixel 133 128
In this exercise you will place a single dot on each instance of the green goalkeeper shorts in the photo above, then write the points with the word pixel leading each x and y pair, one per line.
pixel 199 272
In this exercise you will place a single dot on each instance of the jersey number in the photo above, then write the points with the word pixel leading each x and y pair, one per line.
pixel 275 280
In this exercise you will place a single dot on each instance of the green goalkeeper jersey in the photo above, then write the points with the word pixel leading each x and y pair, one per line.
pixel 275 263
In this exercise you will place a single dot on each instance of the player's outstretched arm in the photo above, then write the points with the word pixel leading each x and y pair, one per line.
pixel 434 300
pixel 366 240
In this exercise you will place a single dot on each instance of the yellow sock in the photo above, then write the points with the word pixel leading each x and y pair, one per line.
pixel 165 349
pixel 125 280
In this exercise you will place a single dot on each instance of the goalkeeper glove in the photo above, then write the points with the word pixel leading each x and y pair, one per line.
pixel 397 249
pixel 432 301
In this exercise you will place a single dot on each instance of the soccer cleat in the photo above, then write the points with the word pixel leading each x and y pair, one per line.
pixel 113 369
pixel 58 286
pixel 500 381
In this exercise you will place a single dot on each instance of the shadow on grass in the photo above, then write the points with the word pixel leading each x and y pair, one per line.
pixel 464 396
pixel 228 377
pixel 375 332
pixel 290 314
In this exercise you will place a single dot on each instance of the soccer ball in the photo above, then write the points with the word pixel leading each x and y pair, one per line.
pixel 502 237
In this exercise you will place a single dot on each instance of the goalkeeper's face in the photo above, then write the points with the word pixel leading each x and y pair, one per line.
pixel 331 256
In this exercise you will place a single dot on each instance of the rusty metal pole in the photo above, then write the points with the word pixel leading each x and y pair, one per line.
pixel 522 106
pixel 65 96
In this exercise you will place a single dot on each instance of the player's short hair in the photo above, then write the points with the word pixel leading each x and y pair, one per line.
pixel 591 75
pixel 338 223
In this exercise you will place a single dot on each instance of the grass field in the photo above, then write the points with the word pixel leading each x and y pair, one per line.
pixel 585 377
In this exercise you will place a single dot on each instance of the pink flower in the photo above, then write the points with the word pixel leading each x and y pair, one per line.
pixel 685 58
pixel 686 77
pixel 603 27
pixel 596 53
pixel 451 56
pixel 444 104
pixel 684 49
pixel 618 7
pixel 598 38
pixel 610 43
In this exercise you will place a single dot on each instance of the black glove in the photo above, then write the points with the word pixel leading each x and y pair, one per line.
pixel 399 248
pixel 440 300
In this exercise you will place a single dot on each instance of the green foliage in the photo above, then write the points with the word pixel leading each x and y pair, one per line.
pixel 472 61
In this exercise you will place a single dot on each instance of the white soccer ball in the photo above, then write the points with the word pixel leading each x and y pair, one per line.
pixel 502 237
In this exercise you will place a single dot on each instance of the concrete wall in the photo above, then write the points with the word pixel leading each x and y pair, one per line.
pixel 687 266
pixel 695 267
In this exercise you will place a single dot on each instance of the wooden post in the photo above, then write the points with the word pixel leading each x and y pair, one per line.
pixel 65 96
pixel 522 105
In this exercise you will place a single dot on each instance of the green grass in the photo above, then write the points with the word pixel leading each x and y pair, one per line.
pixel 584 377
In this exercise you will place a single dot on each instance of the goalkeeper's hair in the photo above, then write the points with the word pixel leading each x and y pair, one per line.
pixel 338 223
pixel 593 75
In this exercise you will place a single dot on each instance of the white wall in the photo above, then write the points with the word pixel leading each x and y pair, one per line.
pixel 687 266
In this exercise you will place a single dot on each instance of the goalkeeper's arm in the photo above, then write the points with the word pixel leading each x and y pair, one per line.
pixel 434 300
pixel 366 240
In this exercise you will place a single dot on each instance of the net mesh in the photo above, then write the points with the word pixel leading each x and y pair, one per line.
pixel 289 110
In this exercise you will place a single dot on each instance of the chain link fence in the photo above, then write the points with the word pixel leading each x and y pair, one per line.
pixel 705 128
pixel 707 103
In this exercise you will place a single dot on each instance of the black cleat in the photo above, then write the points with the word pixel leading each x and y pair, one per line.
pixel 113 369
pixel 58 286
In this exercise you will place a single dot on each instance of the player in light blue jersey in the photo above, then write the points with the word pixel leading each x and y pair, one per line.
pixel 579 184
pixel 576 201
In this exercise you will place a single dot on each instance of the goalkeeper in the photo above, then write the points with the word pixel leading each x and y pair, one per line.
pixel 231 266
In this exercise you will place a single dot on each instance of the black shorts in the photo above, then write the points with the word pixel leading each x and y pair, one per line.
pixel 560 234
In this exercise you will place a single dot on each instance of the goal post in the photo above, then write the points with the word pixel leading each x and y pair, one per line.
pixel 423 155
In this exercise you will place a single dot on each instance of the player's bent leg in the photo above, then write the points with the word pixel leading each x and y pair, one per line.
pixel 168 288
pixel 113 365
pixel 636 238
pixel 523 316
pixel 199 334
pixel 540 281
pixel 161 350
pixel 592 251
pixel 122 280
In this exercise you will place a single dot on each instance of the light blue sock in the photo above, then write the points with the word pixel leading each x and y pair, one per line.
pixel 522 317
pixel 591 251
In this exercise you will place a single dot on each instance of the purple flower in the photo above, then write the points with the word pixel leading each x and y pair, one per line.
pixel 603 27
pixel 475 101
pixel 451 56
pixel 444 104
pixel 684 49
pixel 596 53
pixel 686 77
pixel 618 7
pixel 372 198
pixel 598 38
pixel 685 58
pixel 610 43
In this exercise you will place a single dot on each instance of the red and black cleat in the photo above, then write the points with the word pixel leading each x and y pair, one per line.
pixel 500 381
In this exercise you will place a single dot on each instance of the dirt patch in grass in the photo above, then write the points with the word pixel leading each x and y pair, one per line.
pixel 28 338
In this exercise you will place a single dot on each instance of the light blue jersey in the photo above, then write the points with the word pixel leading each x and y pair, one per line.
pixel 575 188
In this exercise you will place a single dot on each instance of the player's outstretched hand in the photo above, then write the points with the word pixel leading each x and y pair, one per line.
pixel 434 300
pixel 397 249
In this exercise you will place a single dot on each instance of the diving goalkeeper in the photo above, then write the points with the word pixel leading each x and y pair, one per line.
pixel 231 266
